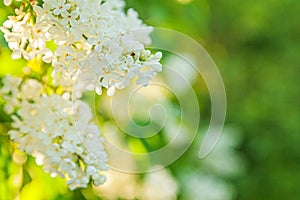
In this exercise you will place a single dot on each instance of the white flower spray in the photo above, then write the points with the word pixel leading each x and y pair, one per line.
pixel 94 42
pixel 58 133
pixel 85 45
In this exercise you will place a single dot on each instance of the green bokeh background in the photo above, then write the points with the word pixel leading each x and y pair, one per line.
pixel 256 46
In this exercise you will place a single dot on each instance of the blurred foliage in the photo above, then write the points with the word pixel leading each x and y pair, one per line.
pixel 255 45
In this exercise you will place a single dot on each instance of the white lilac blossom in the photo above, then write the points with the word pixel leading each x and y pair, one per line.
pixel 95 43
pixel 121 185
pixel 56 131
pixel 167 189
pixel 85 45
